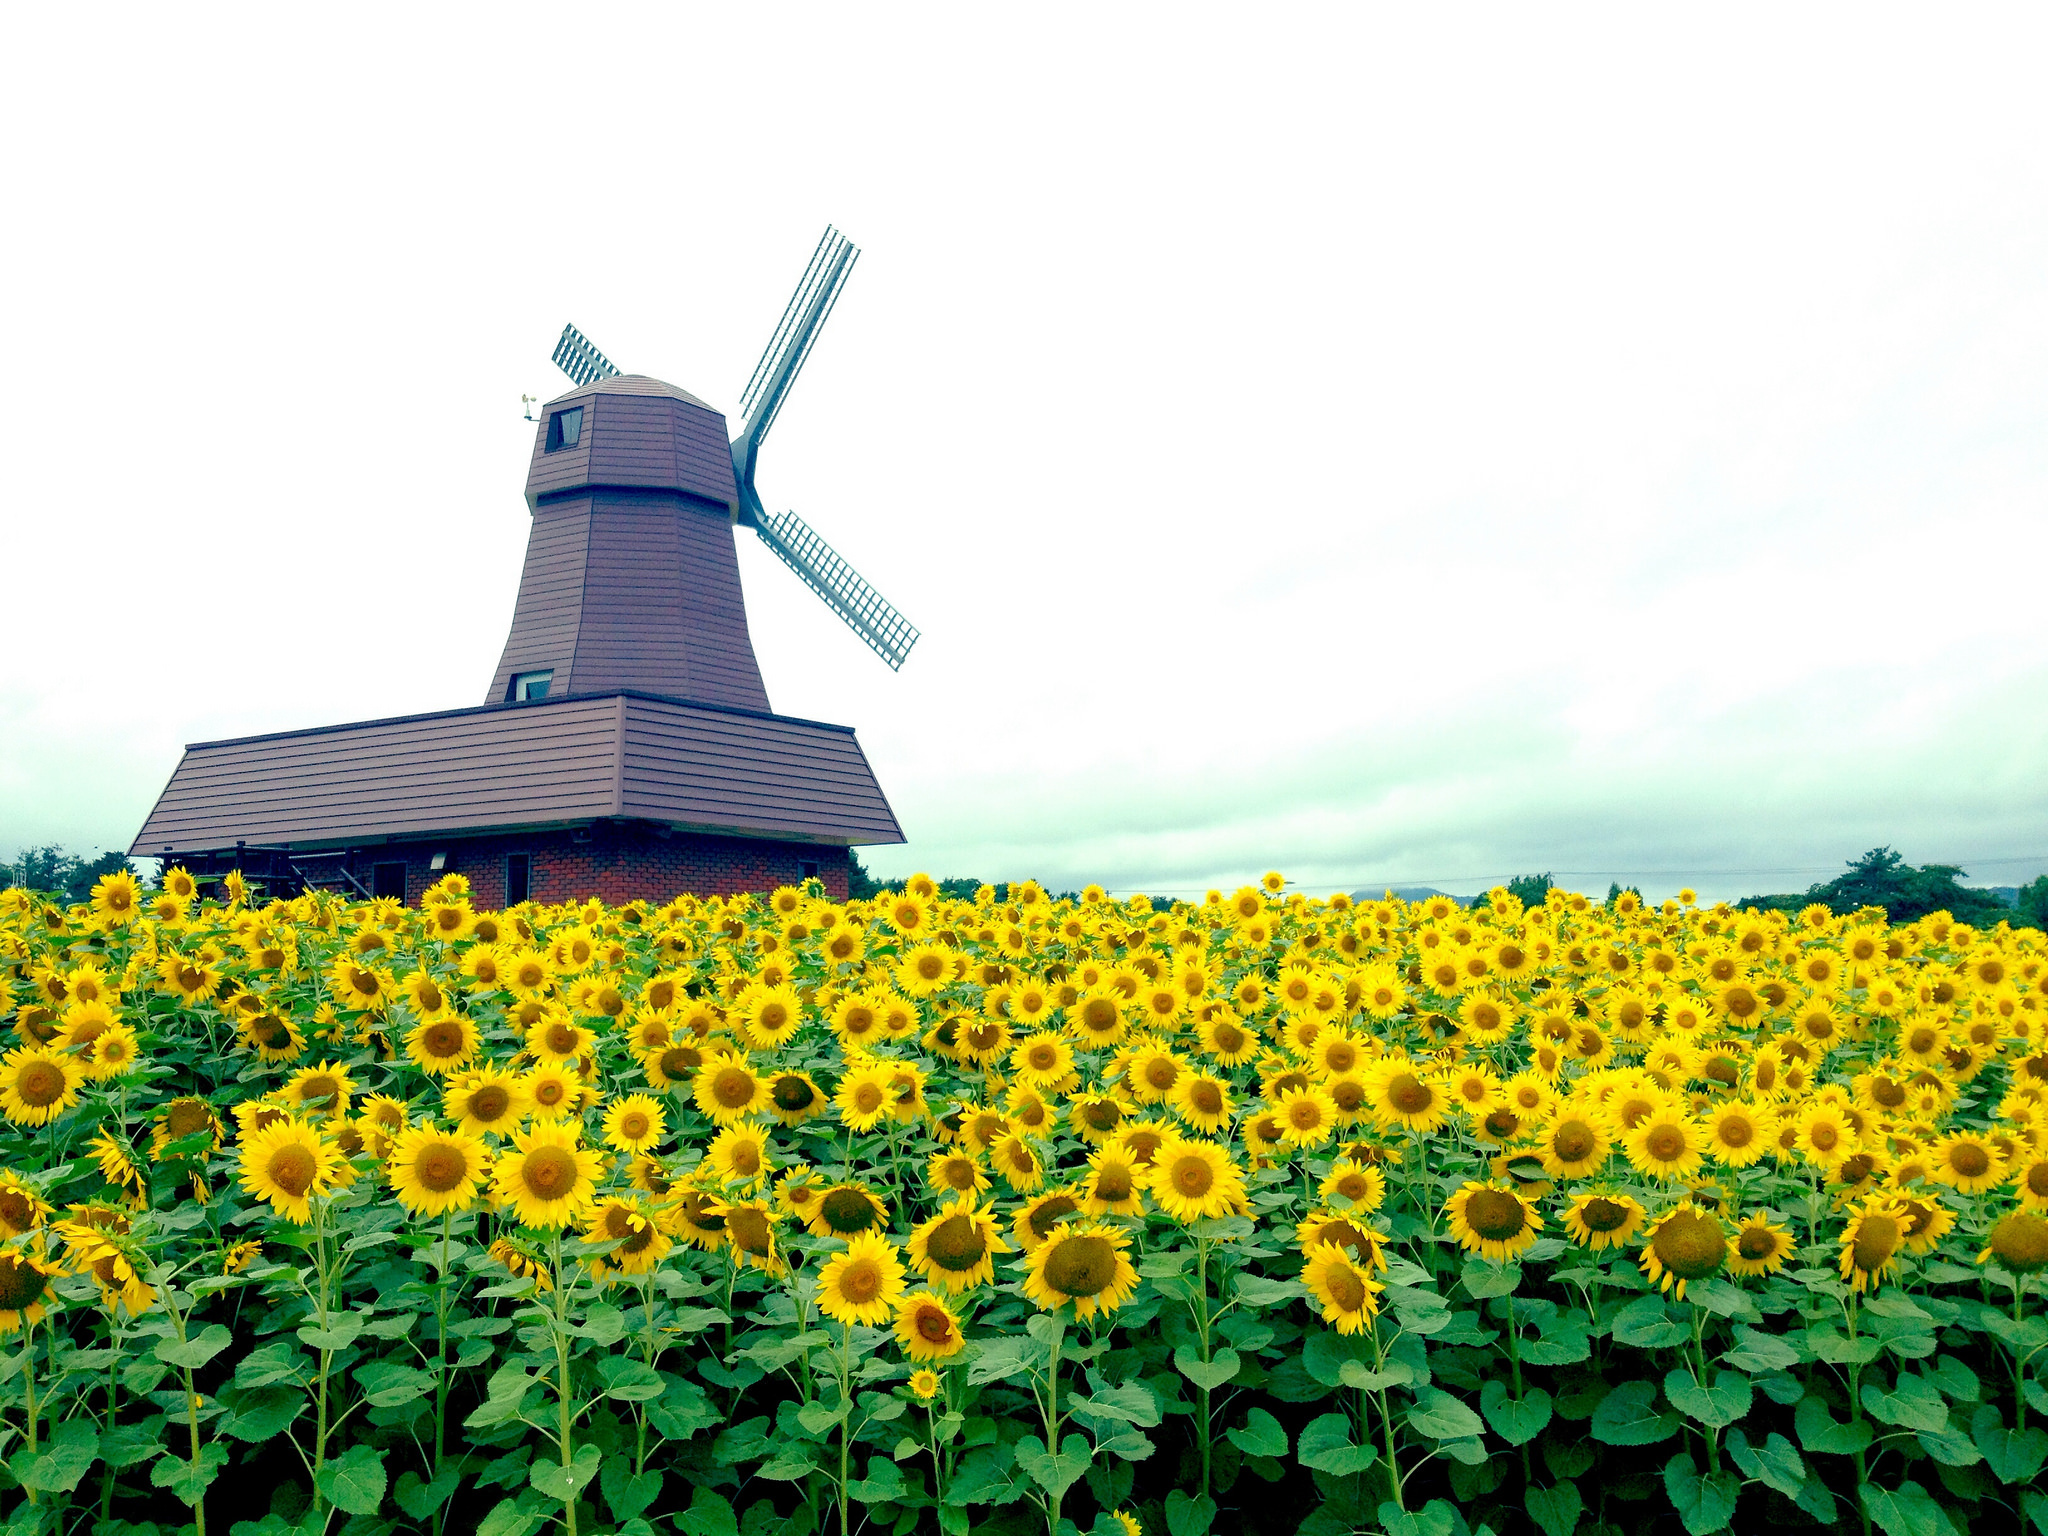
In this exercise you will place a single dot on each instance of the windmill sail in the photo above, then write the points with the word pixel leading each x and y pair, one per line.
pixel 866 612
pixel 576 357
pixel 794 336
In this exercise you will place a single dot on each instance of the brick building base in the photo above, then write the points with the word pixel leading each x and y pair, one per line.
pixel 613 863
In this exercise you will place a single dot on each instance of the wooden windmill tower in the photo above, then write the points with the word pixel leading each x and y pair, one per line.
pixel 625 748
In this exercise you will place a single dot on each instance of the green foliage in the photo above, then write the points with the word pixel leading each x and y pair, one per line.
pixel 52 871
pixel 1882 878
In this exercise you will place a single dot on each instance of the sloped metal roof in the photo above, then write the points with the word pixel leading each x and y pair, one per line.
pixel 574 758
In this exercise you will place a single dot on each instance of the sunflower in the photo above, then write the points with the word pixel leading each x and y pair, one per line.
pixel 433 1172
pixel 357 984
pixel 1760 1247
pixel 634 1233
pixel 22 1208
pixel 739 1154
pixel 727 1090
pixel 956 1173
pixel 1017 1163
pixel 1967 1162
pixel 927 1329
pixel 1666 1144
pixel 769 1016
pixel 1928 1221
pixel 1739 1133
pixel 2029 1179
pixel 1202 1102
pixel 442 1044
pixel 1400 1094
pixel 863 1284
pixel 180 1118
pixel 634 1123
pixel 847 1210
pixel 1152 1072
pixel 793 1098
pixel 117 898
pixel 1597 1220
pixel 1034 1220
pixel 547 1177
pixel 1872 1241
pixel 925 1385
pixel 1225 1040
pixel 1683 1245
pixel 553 1092
pixel 955 1250
pixel 675 1063
pixel 1084 1263
pixel 288 1163
pixel 797 1193
pixel 1307 1116
pixel 109 1256
pixel 488 1099
pixel 1492 1220
pixel 698 1218
pixel 26 1294
pixel 557 1039
pixel 321 1090
pixel 863 1097
pixel 1361 1185
pixel 274 1039
pixel 1190 1180
pixel 1113 1184
pixel 1572 1144
pixel 1096 1117
pixel 2019 1241
pixel 750 1229
pixel 1364 1242
pixel 1348 1295
pixel 37 1084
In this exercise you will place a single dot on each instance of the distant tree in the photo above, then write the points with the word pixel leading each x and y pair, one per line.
pixel 1615 888
pixel 54 872
pixel 1882 878
pixel 2032 902
pixel 860 885
pixel 1530 889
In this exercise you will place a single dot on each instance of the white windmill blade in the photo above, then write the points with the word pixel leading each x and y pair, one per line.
pixel 866 612
pixel 801 321
pixel 576 357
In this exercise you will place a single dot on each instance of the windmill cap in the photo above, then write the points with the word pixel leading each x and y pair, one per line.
pixel 632 384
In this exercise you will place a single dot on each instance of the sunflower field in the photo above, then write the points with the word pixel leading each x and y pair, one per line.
pixel 774 1214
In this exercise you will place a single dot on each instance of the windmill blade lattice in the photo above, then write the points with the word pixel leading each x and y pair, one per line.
pixel 576 357
pixel 801 321
pixel 866 612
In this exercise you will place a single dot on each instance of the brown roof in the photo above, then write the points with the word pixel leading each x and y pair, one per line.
pixel 700 767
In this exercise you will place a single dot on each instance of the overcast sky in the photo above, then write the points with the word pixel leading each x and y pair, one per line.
pixel 1594 443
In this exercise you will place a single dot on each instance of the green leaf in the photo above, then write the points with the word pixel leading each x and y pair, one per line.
pixel 1647 1323
pixel 1775 1463
pixel 184 1481
pixel 354 1480
pixel 1261 1435
pixel 1912 1402
pixel 2014 1456
pixel 194 1351
pixel 264 1413
pixel 509 1518
pixel 420 1499
pixel 1839 1349
pixel 1566 1343
pixel 1189 1517
pixel 1556 1510
pixel 626 1494
pixel 1257 1291
pixel 1757 1352
pixel 603 1325
pixel 1441 1416
pixel 1820 1434
pixel 387 1384
pixel 1131 1403
pixel 1956 1380
pixel 1055 1472
pixel 278 1361
pixel 552 1480
pixel 1908 1510
pixel 2036 1507
pixel 1629 1416
pixel 1721 1404
pixel 1704 1503
pixel 1720 1297
pixel 820 1418
pixel 1484 1278
pixel 629 1380
pixel 1353 1374
pixel 883 1484
pixel 127 1444
pixel 344 1331
pixel 1208 1374
pixel 1325 1444
pixel 57 1468
pixel 1516 1421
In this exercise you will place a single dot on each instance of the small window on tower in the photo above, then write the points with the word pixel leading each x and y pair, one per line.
pixel 565 429
pixel 387 881
pixel 518 877
pixel 807 869
pixel 531 685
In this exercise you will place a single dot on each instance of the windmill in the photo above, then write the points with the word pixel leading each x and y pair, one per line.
pixel 795 543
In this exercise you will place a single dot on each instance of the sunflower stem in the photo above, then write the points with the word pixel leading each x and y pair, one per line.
pixel 1202 1323
pixel 845 1424
pixel 441 1366
pixel 28 1379
pixel 1052 1417
pixel 326 1357
pixel 565 1438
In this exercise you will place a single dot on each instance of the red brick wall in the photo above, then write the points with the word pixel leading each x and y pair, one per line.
pixel 616 864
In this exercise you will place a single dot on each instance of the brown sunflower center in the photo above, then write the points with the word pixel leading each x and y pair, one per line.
pixel 40 1083
pixel 1969 1160
pixel 860 1282
pixel 1736 1131
pixel 848 1210
pixel 1877 1239
pixel 1409 1095
pixel 1691 1245
pixel 441 1166
pixel 745 1158
pixel 1206 1098
pixel 1496 1214
pixel 293 1168
pixel 1346 1289
pixel 1161 1073
pixel 733 1088
pixel 1081 1265
pixel 681 1060
pixel 490 1102
pixel 1756 1243
pixel 1603 1215
pixel 2020 1241
pixel 548 1173
pixel 1665 1143
pixel 187 1117
pixel 1049 1213
pixel 750 1230
pixel 22 1285
pixel 1573 1141
pixel 933 1326
pixel 15 1210
pixel 1113 1183
pixel 442 1039
pixel 956 1244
